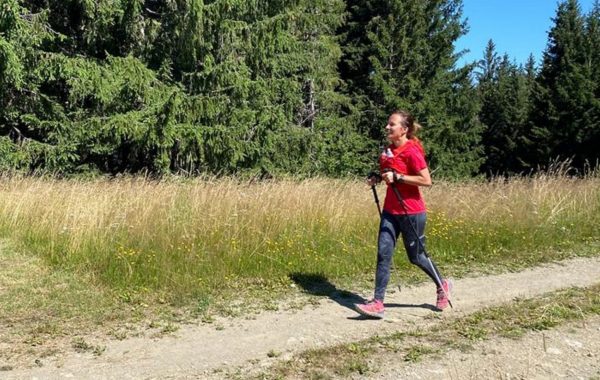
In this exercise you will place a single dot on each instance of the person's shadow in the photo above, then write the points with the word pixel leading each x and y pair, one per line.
pixel 318 285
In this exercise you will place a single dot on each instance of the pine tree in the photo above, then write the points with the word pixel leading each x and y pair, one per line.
pixel 566 103
pixel 400 55
pixel 169 86
pixel 504 90
pixel 591 117
pixel 527 155
pixel 265 77
pixel 21 34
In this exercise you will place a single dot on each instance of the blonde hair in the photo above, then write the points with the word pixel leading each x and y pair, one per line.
pixel 409 122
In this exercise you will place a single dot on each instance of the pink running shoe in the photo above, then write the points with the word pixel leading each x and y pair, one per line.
pixel 443 295
pixel 373 309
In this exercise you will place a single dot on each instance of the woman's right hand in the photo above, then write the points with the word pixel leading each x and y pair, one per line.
pixel 373 179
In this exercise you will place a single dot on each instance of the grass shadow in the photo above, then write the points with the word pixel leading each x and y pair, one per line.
pixel 318 285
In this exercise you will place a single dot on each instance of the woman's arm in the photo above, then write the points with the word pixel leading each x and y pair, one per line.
pixel 422 178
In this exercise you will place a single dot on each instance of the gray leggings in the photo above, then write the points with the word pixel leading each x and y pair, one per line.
pixel 390 228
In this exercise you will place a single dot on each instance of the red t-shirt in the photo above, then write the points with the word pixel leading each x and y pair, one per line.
pixel 408 159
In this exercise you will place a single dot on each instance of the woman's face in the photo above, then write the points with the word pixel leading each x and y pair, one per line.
pixel 395 127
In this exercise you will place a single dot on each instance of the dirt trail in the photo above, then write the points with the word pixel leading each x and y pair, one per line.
pixel 196 351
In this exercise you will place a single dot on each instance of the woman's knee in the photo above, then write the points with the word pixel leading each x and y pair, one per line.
pixel 415 259
pixel 414 252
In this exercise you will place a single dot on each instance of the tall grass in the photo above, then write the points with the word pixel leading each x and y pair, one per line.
pixel 188 238
pixel 515 220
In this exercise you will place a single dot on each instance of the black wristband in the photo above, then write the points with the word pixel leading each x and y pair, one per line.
pixel 398 178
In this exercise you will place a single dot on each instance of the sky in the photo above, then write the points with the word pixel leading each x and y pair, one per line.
pixel 517 27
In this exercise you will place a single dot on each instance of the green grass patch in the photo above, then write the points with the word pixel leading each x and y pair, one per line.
pixel 40 307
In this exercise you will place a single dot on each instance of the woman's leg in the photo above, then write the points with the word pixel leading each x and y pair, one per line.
pixel 388 234
pixel 416 250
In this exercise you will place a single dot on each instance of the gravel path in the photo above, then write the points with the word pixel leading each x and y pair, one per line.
pixel 197 351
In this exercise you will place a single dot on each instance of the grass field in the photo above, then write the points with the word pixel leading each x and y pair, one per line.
pixel 189 242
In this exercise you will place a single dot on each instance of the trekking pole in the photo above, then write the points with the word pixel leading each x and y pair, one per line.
pixel 376 198
pixel 378 177
pixel 401 201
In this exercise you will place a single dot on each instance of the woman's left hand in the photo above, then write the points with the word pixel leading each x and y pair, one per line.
pixel 388 177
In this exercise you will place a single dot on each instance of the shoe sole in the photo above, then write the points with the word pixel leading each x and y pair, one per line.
pixel 368 314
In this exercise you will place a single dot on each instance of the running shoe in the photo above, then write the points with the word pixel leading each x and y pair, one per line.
pixel 373 309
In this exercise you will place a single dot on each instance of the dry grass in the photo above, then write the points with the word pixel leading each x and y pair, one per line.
pixel 192 239
pixel 543 199
pixel 177 234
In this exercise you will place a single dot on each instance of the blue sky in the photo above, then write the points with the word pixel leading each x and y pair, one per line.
pixel 517 27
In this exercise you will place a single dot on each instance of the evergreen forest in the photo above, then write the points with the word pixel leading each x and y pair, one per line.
pixel 284 87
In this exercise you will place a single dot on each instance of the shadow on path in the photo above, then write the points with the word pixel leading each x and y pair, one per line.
pixel 413 306
pixel 319 285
